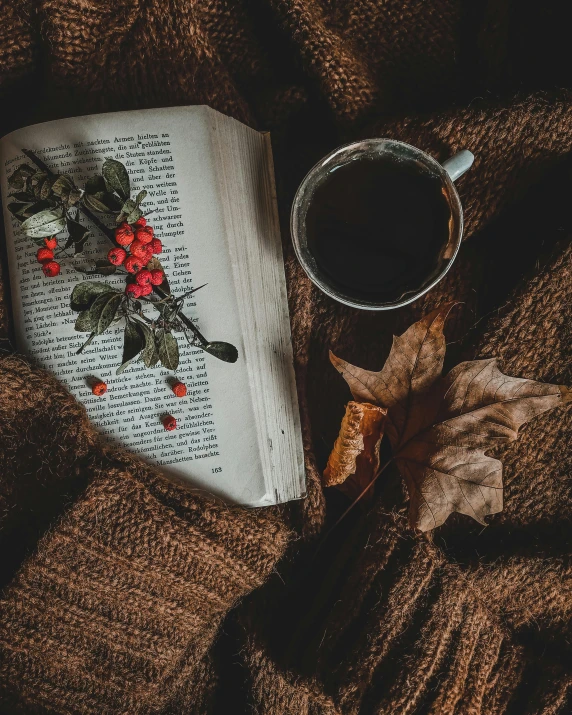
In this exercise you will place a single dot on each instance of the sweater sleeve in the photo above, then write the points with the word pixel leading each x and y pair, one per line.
pixel 121 600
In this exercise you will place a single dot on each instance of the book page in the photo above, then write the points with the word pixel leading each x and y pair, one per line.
pixel 167 152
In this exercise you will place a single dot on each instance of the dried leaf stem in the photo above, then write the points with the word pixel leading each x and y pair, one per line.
pixel 354 502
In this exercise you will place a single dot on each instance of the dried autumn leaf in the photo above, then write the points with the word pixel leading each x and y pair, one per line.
pixel 440 428
pixel 354 460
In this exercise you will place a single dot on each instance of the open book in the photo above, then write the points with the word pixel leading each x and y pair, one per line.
pixel 211 193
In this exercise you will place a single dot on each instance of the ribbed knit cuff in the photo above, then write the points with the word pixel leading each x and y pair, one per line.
pixel 124 596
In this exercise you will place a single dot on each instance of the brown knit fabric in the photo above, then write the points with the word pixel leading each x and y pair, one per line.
pixel 178 567
pixel 138 573
pixel 123 593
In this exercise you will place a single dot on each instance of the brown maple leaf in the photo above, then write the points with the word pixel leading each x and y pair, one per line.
pixel 440 428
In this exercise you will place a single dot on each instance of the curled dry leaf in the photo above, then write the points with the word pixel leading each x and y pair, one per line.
pixel 440 428
pixel 354 460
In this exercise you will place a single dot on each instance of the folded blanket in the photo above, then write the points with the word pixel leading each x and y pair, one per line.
pixel 124 593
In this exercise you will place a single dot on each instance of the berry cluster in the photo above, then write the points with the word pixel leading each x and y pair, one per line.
pixel 142 245
pixel 45 256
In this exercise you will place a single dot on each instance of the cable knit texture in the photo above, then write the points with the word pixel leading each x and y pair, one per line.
pixel 125 593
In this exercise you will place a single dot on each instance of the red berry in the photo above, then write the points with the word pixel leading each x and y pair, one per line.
pixel 44 255
pixel 138 249
pixel 133 264
pixel 146 290
pixel 169 422
pixel 147 257
pixel 157 276
pixel 124 234
pixel 116 256
pixel 156 245
pixel 51 269
pixel 143 277
pixel 133 290
pixel 180 389
pixel 99 388
pixel 144 234
pixel 140 222
pixel 50 243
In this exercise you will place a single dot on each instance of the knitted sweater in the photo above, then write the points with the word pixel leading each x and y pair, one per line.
pixel 124 593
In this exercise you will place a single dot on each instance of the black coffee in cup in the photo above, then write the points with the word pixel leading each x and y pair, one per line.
pixel 377 227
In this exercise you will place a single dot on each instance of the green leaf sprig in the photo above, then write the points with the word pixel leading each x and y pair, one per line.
pixel 45 204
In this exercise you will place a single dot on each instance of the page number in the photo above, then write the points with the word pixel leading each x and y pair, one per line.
pixel 216 470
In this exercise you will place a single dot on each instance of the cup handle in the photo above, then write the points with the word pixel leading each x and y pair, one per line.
pixel 458 164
